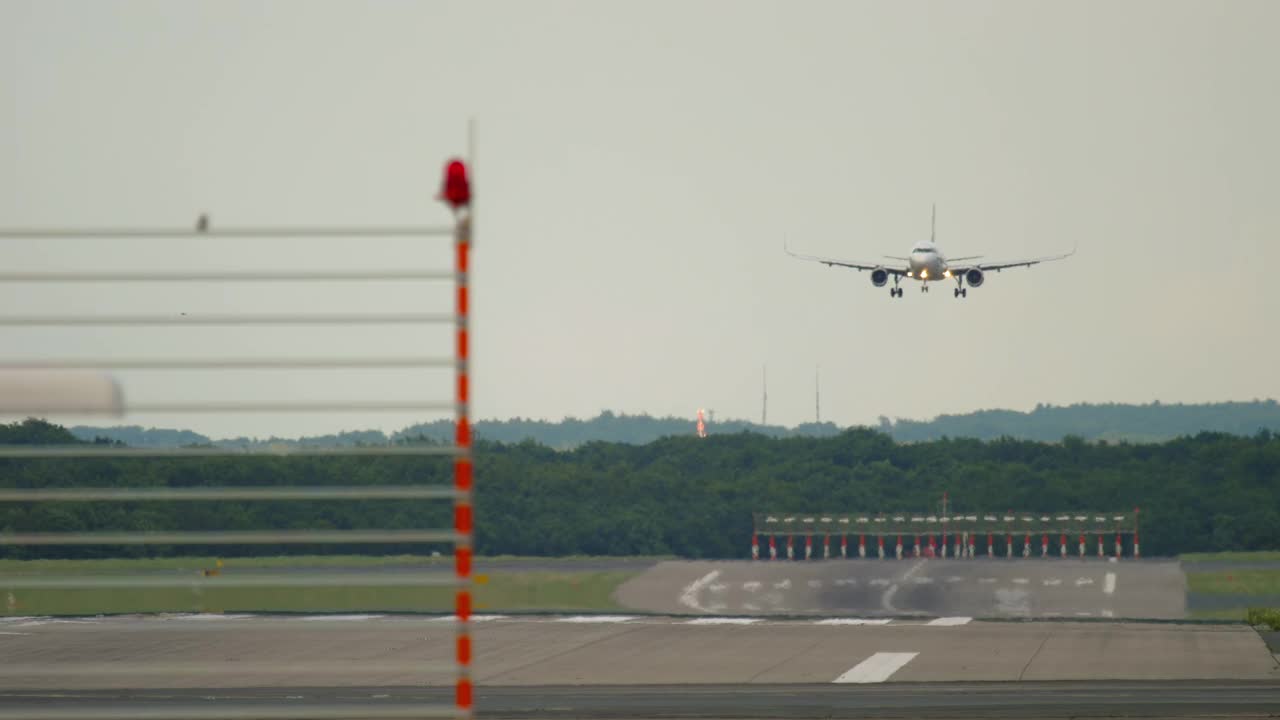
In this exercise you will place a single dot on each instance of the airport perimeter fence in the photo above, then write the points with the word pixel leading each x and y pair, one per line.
pixel 1007 534
pixel 53 386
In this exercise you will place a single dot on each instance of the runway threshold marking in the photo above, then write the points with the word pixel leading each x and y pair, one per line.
pixel 877 668
pixel 1109 584
pixel 948 621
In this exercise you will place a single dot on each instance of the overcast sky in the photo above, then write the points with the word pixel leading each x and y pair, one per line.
pixel 639 165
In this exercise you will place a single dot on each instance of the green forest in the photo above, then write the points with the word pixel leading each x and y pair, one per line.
pixel 682 496
pixel 1154 422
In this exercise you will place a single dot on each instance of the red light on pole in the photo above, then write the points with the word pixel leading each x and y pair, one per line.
pixel 455 190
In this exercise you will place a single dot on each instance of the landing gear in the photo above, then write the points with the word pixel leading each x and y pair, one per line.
pixel 924 287
pixel 961 290
pixel 896 291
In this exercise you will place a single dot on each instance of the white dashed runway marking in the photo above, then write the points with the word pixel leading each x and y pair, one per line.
pixel 596 618
pixel 877 668
pixel 948 621
pixel 1109 584
pixel 723 621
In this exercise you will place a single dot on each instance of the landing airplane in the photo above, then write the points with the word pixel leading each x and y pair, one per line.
pixel 927 264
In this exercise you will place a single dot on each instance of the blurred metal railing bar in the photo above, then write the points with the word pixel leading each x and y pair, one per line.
pixel 234 537
pixel 170 494
pixel 99 451
pixel 25 276
pixel 248 407
pixel 252 319
pixel 263 363
pixel 224 232
pixel 246 710
pixel 445 579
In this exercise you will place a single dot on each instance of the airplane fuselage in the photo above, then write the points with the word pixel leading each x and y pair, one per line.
pixel 928 263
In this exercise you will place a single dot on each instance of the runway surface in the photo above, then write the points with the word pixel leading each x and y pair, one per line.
pixel 936 702
pixel 980 587
pixel 363 650
pixel 630 666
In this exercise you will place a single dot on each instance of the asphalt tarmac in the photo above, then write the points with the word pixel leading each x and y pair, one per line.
pixel 979 587
pixel 954 701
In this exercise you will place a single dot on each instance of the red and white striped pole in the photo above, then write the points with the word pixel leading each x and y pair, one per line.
pixel 755 546
pixel 773 547
pixel 808 547
pixel 456 191
pixel 1062 543
pixel 899 550
pixel 791 547
pixel 1101 542
pixel 1081 546
pixel 1044 544
pixel 1026 546
pixel 1008 545
pixel 933 545
pixel 971 541
pixel 862 546
pixel 1119 546
pixel 880 545
pixel 990 544
pixel 916 549
pixel 826 547
pixel 844 546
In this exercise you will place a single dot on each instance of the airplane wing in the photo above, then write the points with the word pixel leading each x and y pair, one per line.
pixel 832 262
pixel 998 266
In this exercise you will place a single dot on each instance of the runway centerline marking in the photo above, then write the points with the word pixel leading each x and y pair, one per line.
pixel 815 584
pixel 986 581
pixel 1020 581
pixel 948 621
pixel 690 595
pixel 782 585
pixel 1053 581
pixel 1083 581
pixel 1109 584
pixel 717 587
pixel 751 585
pixel 723 621
pixel 877 668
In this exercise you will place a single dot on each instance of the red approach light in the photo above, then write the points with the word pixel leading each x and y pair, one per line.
pixel 456 189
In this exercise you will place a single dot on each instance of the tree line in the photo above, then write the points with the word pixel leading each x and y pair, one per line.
pixel 683 495
pixel 1154 422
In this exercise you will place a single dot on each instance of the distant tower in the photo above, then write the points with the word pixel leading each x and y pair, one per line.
pixel 764 406
pixel 702 426
pixel 817 395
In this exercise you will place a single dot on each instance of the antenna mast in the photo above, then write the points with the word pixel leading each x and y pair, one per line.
pixel 817 394
pixel 764 406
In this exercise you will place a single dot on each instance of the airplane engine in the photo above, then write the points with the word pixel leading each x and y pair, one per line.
pixel 879 277
pixel 974 277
